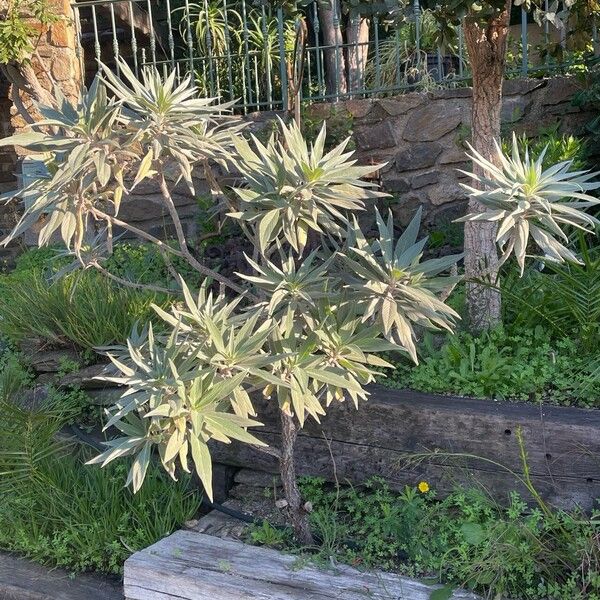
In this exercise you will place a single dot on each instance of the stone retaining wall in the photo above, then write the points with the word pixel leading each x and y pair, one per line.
pixel 421 136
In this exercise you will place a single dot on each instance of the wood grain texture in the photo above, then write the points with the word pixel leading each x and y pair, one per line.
pixel 193 566
pixel 21 579
pixel 563 444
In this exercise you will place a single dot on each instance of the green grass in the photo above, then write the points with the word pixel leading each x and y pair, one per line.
pixel 83 309
pixel 55 509
pixel 82 518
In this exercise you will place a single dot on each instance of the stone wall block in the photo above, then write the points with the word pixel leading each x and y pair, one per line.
pixel 559 90
pixel 417 156
pixel 373 136
pixel 434 120
pixel 447 190
pixel 359 109
pixel 405 207
pixel 400 105
pixel 453 154
pixel 61 35
pixel 394 184
pixel 424 179
pixel 446 94
pixel 519 86
pixel 514 108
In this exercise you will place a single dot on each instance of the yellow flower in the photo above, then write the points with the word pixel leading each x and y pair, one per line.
pixel 423 487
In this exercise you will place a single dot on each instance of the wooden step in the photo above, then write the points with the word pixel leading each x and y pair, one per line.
pixel 193 566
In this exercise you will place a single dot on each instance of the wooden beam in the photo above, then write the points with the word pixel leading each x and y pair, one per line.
pixel 562 443
pixel 193 566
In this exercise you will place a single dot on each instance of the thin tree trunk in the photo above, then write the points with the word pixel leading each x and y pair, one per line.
pixel 357 35
pixel 23 78
pixel 335 64
pixel 486 45
pixel 297 513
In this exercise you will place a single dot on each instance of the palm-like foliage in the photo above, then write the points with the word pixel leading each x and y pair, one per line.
pixel 529 201
pixel 290 288
pixel 170 122
pixel 292 188
pixel 102 148
pixel 211 25
pixel 28 430
pixel 174 404
pixel 392 284
pixel 564 297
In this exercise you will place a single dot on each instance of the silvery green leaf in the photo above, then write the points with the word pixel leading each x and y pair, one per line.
pixel 526 199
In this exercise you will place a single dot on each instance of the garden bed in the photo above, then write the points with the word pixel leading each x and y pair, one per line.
pixel 406 437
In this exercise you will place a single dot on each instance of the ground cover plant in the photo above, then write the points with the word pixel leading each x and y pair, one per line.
pixel 464 539
pixel 529 365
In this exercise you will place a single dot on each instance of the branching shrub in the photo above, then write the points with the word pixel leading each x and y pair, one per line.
pixel 316 306
pixel 530 201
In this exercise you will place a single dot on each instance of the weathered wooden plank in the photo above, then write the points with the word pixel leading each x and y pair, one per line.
pixel 563 444
pixel 21 579
pixel 357 463
pixel 189 565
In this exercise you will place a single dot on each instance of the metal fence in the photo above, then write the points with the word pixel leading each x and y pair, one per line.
pixel 246 51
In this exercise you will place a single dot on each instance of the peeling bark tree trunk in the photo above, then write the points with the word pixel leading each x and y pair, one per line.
pixel 357 35
pixel 297 513
pixel 486 45
pixel 335 64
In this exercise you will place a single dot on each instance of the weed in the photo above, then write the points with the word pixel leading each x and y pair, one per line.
pixel 465 539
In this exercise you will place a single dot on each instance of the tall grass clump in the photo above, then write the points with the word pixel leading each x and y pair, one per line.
pixel 82 309
pixel 59 512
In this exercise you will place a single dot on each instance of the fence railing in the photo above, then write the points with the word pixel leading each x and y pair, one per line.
pixel 244 50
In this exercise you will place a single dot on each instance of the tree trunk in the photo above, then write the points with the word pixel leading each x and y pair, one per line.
pixel 333 53
pixel 23 79
pixel 486 44
pixel 297 513
pixel 357 35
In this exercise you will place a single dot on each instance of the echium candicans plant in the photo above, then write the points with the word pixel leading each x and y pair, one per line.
pixel 301 326
pixel 533 206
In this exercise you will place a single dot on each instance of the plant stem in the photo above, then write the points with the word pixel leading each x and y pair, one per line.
pixel 138 232
pixel 133 284
pixel 168 199
pixel 297 513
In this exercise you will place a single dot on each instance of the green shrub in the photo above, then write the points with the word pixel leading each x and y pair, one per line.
pixel 465 539
pixel 560 147
pixel 84 309
pixel 143 263
pixel 529 365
